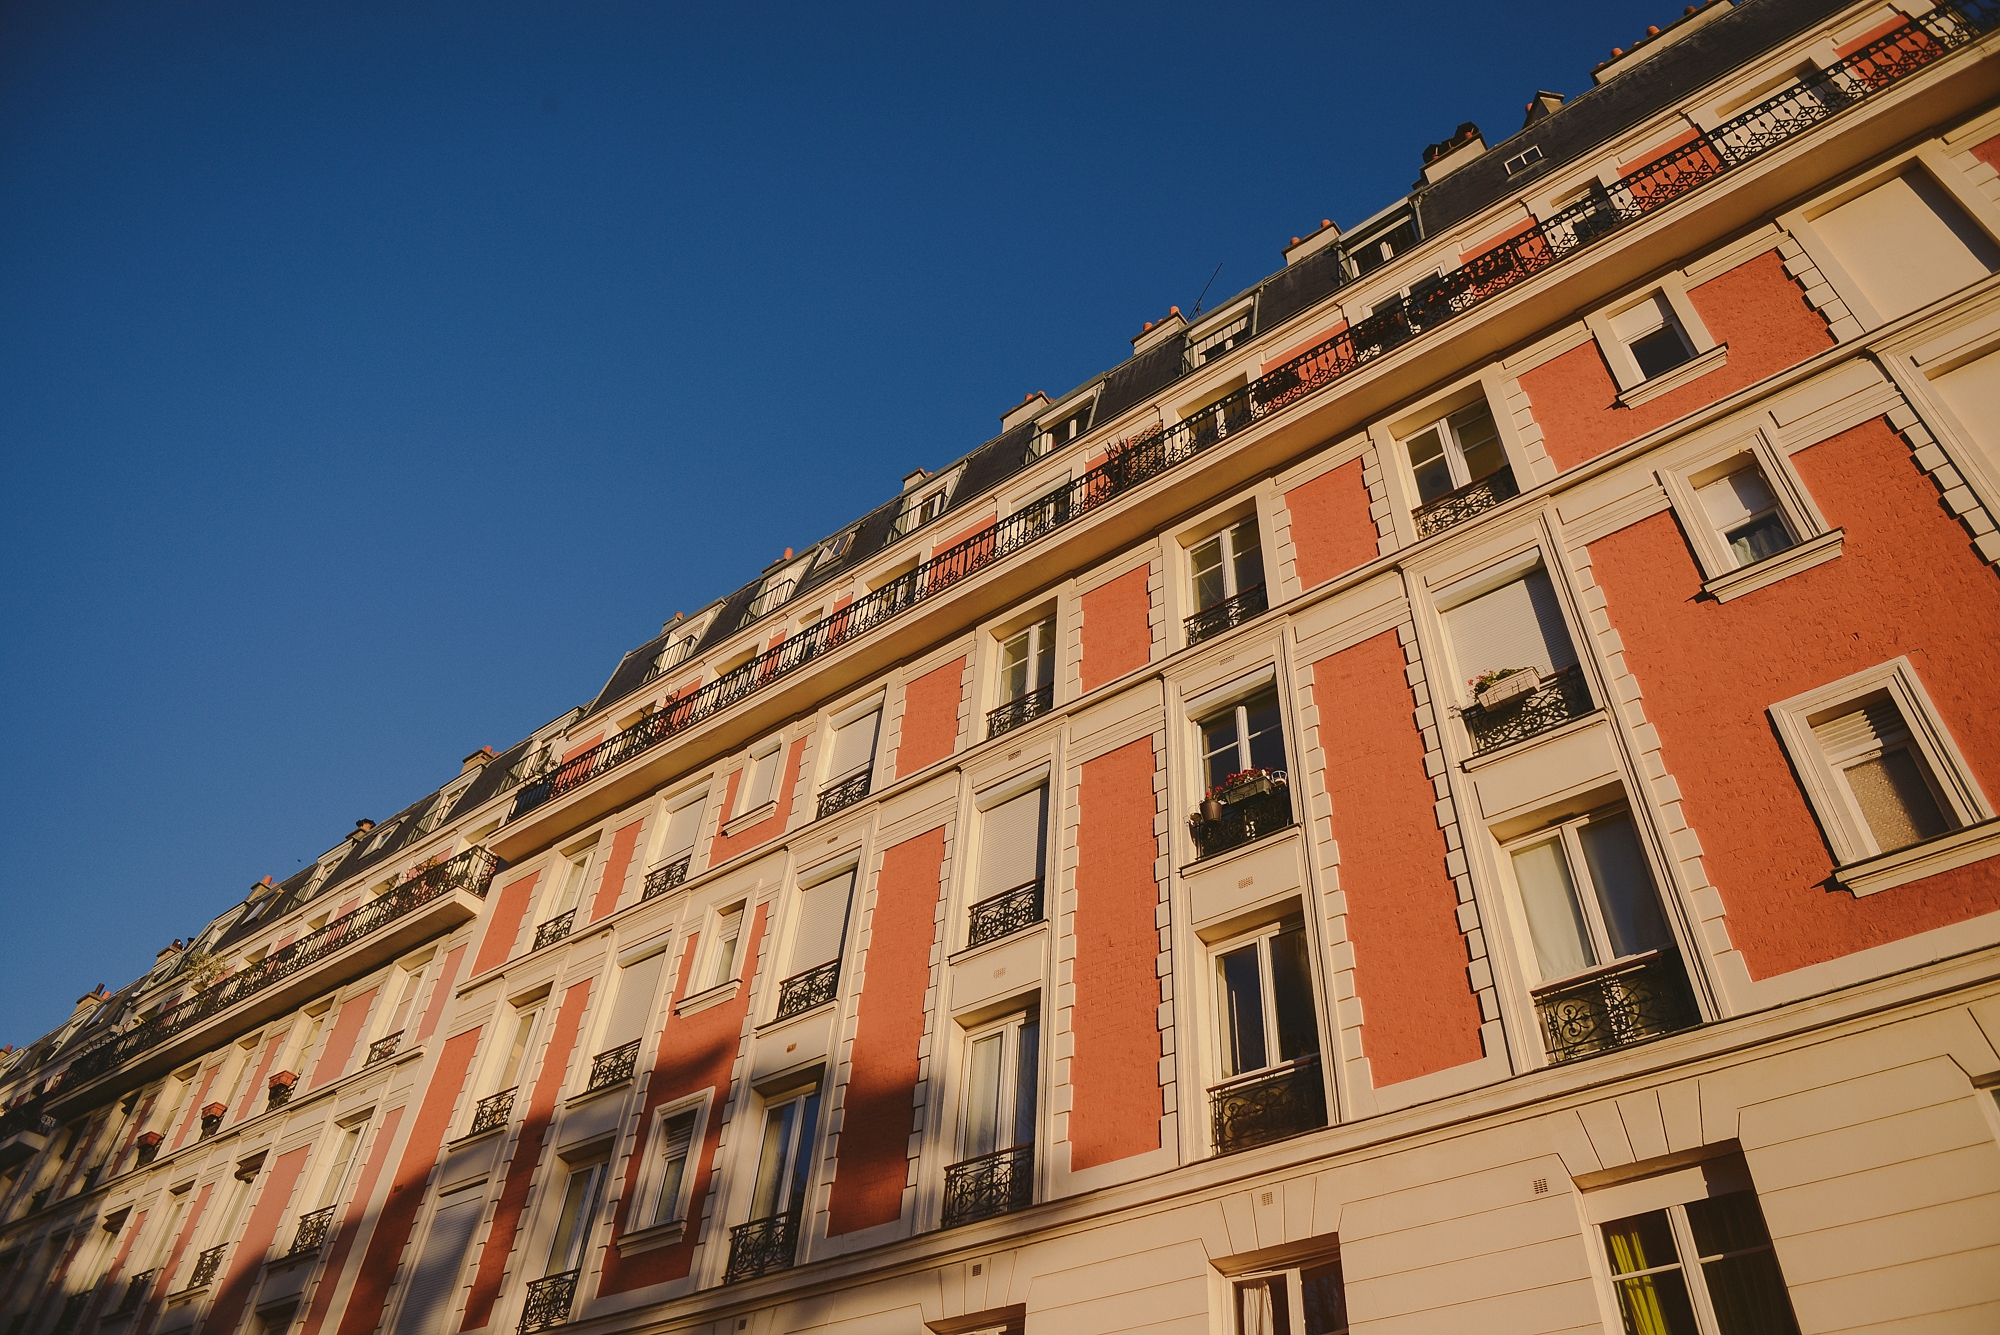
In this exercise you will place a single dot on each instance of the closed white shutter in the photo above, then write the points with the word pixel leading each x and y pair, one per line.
pixel 634 1003
pixel 681 828
pixel 1516 625
pixel 1010 843
pixel 433 1290
pixel 822 923
pixel 854 746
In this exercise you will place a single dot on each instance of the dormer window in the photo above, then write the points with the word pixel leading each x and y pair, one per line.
pixel 1061 432
pixel 920 510
pixel 773 593
pixel 1213 345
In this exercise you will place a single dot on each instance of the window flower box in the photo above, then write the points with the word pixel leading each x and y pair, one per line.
pixel 1493 689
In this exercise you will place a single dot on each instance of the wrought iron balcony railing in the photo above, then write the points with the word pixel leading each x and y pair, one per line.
pixel 135 1292
pixel 1267 1106
pixel 1455 507
pixel 28 1117
pixel 1004 914
pixel 311 1233
pixel 662 879
pixel 549 1301
pixel 1793 111
pixel 384 1048
pixel 554 930
pixel 1616 1006
pixel 39 1200
pixel 470 871
pixel 1230 612
pixel 1556 701
pixel 1243 822
pixel 72 1311
pixel 492 1111
pixel 206 1265
pixel 609 1068
pixel 815 987
pixel 763 1246
pixel 844 794
pixel 991 1184
pixel 1021 710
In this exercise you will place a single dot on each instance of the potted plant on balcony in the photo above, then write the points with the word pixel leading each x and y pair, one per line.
pixel 281 1088
pixel 1497 686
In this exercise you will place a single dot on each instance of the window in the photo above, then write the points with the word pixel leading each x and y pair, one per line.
pixel 579 1212
pixel 406 998
pixel 1002 1074
pixel 631 1014
pixel 1688 1253
pixel 1214 344
pixel 676 1141
pixel 429 1294
pixel 1061 432
pixel 1652 334
pixel 1745 512
pixel 1226 565
pixel 516 1051
pixel 1889 789
pixel 1309 1300
pixel 1587 895
pixel 773 593
pixel 760 782
pixel 1906 243
pixel 1013 839
pixel 1028 661
pixel 677 845
pixel 1502 623
pixel 920 510
pixel 1248 735
pixel 1455 452
pixel 1523 160
pixel 822 923
pixel 853 750
pixel 722 951
pixel 784 1163
pixel 1264 1001
pixel 345 1145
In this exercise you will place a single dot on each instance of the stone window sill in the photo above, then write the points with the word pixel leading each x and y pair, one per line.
pixel 1889 870
pixel 649 1239
pixel 714 996
pixel 743 822
pixel 1692 369
pixel 1762 574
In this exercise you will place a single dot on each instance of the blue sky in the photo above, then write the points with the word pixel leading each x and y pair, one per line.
pixel 372 377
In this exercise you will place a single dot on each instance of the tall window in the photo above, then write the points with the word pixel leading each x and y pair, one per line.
pixel 1060 433
pixel 920 510
pixel 722 950
pixel 853 752
pixel 784 1163
pixel 1247 735
pixel 405 999
pixel 1882 775
pixel 1305 1300
pixel 760 783
pixel 676 1141
pixel 683 825
pixel 516 1051
pixel 1002 1075
pixel 1264 1001
pixel 1013 840
pixel 1455 452
pixel 822 924
pixel 1746 513
pixel 575 871
pixel 1028 661
pixel 1226 565
pixel 579 1211
pixel 1700 1262
pixel 1587 895
pixel 345 1145
pixel 1517 625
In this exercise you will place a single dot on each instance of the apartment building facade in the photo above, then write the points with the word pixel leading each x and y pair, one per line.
pixel 1452 791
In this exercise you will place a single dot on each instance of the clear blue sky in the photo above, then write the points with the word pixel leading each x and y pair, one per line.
pixel 373 376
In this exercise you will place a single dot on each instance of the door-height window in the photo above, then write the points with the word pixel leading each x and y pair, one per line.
pixel 812 970
pixel 1028 660
pixel 1689 1254
pixel 784 1161
pixel 1228 565
pixel 579 1210
pixel 1517 666
pixel 1248 735
pixel 515 1055
pixel 850 763
pixel 1267 1034
pixel 995 1171
pixel 345 1145
pixel 1013 843
pixel 677 846
pixel 1455 451
pixel 1306 1300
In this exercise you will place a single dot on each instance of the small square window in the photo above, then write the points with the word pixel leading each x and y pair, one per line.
pixel 1525 159
pixel 1748 518
pixel 1653 334
pixel 1648 341
pixel 1745 512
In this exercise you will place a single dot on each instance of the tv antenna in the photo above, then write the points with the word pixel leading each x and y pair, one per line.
pixel 1204 288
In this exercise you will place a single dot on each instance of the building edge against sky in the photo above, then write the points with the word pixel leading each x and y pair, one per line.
pixel 1457 787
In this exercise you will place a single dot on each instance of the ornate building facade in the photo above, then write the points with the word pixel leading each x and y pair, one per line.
pixel 1450 793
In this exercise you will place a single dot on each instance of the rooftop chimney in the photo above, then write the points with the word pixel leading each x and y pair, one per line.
pixel 475 760
pixel 1441 160
pixel 1031 405
pixel 1157 332
pixel 361 827
pixel 1313 242
pixel 1544 103
pixel 913 479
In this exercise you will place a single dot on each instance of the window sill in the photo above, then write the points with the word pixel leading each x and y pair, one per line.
pixel 714 996
pixel 738 824
pixel 1760 574
pixel 650 1239
pixel 1693 369
pixel 592 1095
pixel 1889 870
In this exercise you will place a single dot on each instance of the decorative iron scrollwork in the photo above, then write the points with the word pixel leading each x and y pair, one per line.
pixel 381 1049
pixel 1230 612
pixel 549 1301
pixel 312 1231
pixel 662 879
pixel 1455 507
pixel 991 1184
pixel 206 1265
pixel 72 1309
pixel 844 794
pixel 1005 914
pixel 493 1110
pixel 815 987
pixel 1020 710
pixel 554 930
pixel 762 1246
pixel 609 1068
pixel 1243 822
pixel 1622 1004
pixel 1555 702
pixel 1268 1106
pixel 135 1292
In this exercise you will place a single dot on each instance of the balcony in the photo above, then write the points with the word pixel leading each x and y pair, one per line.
pixel 554 930
pixel 992 1184
pixel 24 1133
pixel 549 1301
pixel 1881 64
pixel 1626 1002
pixel 844 794
pixel 422 908
pixel 1236 821
pixel 802 992
pixel 1269 1105
pixel 135 1292
pixel 1227 614
pixel 1004 914
pixel 1455 507
pixel 311 1233
pixel 1020 710
pixel 762 1247
pixel 72 1312
pixel 492 1111
pixel 205 1267
pixel 662 879
pixel 1560 698
pixel 613 1067
pixel 384 1048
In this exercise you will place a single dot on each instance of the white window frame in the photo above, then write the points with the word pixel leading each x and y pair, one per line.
pixel 1045 443
pixel 1634 387
pixel 670 807
pixel 1961 798
pixel 1813 541
pixel 875 704
pixel 1224 535
pixel 768 749
pixel 1236 696
pixel 497 1061
pixel 674 1219
pixel 1011 1023
pixel 1568 829
pixel 804 1136
pixel 1051 623
pixel 1282 917
pixel 1440 420
pixel 1222 334
pixel 1293 1275
pixel 711 943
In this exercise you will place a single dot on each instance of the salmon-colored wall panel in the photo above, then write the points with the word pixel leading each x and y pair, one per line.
pixel 1115 1021
pixel 354 1210
pixel 1117 635
pixel 541 1110
pixel 878 1115
pixel 1332 531
pixel 1906 583
pixel 727 846
pixel 615 867
pixel 406 1190
pixel 340 1043
pixel 582 746
pixel 503 924
pixel 1755 308
pixel 1988 152
pixel 1409 958
pixel 1331 331
pixel 696 1053
pixel 248 1102
pixel 246 1259
pixel 930 717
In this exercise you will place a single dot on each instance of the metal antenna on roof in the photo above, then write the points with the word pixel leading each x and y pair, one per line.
pixel 1204 289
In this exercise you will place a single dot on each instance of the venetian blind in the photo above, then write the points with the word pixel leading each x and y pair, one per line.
pixel 854 746
pixel 634 1003
pixel 822 923
pixel 1516 625
pixel 1010 843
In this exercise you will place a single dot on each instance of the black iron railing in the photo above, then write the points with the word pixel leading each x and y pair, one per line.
pixel 28 1117
pixel 549 1301
pixel 311 1233
pixel 39 1199
pixel 1455 507
pixel 135 1292
pixel 1268 1106
pixel 803 991
pixel 1020 710
pixel 211 1123
pixel 1616 1006
pixel 762 1246
pixel 991 1184
pixel 1004 914
pixel 609 1068
pixel 1781 117
pixel 384 1048
pixel 492 1111
pixel 662 879
pixel 206 1265
pixel 72 1311
pixel 1230 612
pixel 555 929
pixel 1559 698
pixel 278 1095
pixel 1243 822
pixel 471 871
pixel 844 794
